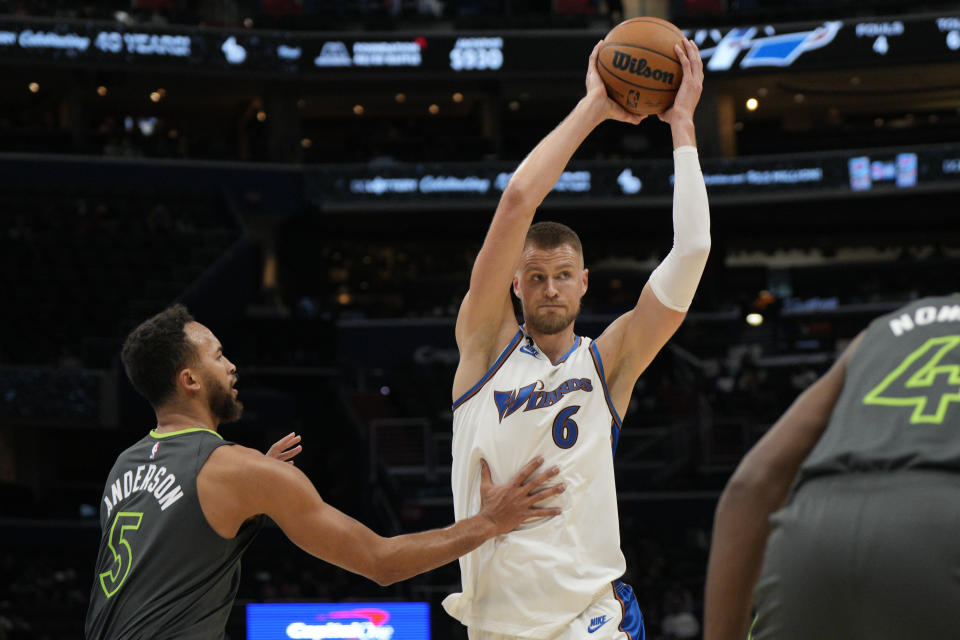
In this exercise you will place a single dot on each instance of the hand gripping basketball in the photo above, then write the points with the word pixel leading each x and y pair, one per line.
pixel 597 89
pixel 690 88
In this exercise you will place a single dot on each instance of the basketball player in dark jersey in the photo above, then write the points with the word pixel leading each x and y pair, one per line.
pixel 866 546
pixel 182 505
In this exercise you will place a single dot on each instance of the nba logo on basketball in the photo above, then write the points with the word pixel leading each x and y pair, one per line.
pixel 153 452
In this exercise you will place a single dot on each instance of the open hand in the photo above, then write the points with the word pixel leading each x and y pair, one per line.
pixel 286 448
pixel 509 504
pixel 597 91
pixel 688 95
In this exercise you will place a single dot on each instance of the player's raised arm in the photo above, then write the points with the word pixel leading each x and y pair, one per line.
pixel 757 488
pixel 486 317
pixel 237 483
pixel 631 342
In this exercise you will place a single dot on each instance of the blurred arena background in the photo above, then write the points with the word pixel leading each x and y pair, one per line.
pixel 313 177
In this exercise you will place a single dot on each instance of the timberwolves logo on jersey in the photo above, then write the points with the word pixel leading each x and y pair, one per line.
pixel 534 397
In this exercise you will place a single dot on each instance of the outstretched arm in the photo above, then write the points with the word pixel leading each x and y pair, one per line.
pixel 758 488
pixel 237 483
pixel 485 321
pixel 633 340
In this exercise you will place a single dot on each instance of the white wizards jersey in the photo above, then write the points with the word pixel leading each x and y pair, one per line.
pixel 533 581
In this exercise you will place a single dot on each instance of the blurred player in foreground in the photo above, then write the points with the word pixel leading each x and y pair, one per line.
pixel 182 505
pixel 866 546
pixel 541 390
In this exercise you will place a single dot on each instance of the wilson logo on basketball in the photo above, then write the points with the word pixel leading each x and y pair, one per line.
pixel 640 67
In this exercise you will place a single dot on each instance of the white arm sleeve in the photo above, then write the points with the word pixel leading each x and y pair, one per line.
pixel 675 280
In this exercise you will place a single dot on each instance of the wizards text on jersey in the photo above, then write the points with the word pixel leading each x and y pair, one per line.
pixel 509 401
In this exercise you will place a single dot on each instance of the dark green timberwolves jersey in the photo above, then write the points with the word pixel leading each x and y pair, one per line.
pixel 900 405
pixel 162 572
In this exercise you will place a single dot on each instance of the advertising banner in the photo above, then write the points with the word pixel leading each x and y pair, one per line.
pixel 347 621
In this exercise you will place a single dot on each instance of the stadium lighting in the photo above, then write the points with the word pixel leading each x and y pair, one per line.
pixel 752 104
pixel 754 319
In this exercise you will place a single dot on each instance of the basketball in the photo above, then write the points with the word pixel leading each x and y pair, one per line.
pixel 639 66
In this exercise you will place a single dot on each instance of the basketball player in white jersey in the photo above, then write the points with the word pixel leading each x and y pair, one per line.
pixel 539 389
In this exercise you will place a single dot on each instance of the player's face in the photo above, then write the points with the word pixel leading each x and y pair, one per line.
pixel 550 284
pixel 217 374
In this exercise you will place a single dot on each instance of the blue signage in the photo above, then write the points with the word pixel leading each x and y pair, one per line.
pixel 348 620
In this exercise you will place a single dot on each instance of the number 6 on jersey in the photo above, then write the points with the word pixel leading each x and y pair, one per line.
pixel 565 429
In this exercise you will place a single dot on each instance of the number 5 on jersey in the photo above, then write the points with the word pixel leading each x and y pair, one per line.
pixel 112 579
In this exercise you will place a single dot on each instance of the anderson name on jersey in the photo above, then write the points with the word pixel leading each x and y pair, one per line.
pixel 151 478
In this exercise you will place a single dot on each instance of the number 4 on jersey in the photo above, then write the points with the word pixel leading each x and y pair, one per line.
pixel 912 383
pixel 112 579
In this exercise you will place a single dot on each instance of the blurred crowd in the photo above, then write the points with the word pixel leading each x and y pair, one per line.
pixel 386 14
pixel 44 596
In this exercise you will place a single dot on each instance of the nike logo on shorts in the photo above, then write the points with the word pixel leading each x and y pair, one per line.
pixel 596 623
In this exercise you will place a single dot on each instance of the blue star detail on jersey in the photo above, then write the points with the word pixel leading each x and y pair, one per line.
pixel 509 401
pixel 596 623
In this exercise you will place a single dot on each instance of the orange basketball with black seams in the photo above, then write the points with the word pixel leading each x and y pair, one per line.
pixel 638 64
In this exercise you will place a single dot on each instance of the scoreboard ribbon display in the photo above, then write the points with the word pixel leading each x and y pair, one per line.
pixel 637 182
pixel 828 44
